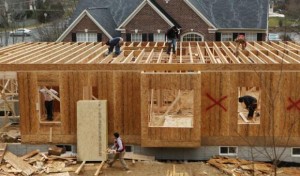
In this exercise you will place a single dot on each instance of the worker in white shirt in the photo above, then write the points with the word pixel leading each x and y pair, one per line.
pixel 49 101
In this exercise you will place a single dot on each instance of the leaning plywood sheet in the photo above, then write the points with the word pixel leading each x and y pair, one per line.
pixel 92 130
pixel 19 164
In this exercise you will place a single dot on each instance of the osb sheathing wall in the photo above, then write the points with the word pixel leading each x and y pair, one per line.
pixel 220 127
pixel 126 95
pixel 121 89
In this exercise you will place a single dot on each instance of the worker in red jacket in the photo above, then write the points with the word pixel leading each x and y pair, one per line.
pixel 118 149
pixel 240 40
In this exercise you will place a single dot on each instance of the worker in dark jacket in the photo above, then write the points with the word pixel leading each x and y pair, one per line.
pixel 116 43
pixel 172 35
pixel 251 104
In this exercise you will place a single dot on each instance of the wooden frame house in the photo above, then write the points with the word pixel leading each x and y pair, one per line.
pixel 157 100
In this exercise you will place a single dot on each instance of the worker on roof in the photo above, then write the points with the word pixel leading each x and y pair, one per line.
pixel 172 35
pixel 114 43
pixel 240 40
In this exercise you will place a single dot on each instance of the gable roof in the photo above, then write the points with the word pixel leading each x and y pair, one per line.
pixel 107 14
pixel 156 8
pixel 233 14
pixel 119 9
pixel 219 14
pixel 101 17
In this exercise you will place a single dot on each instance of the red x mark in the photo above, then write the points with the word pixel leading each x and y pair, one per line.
pixel 294 104
pixel 216 102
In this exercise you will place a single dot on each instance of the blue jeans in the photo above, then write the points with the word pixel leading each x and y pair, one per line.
pixel 117 49
pixel 171 42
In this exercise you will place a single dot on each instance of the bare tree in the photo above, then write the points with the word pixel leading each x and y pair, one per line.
pixel 274 145
pixel 51 31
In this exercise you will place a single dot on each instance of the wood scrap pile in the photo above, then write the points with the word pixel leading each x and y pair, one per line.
pixel 174 173
pixel 36 163
pixel 240 167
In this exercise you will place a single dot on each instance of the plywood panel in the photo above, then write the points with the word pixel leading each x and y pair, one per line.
pixel 117 99
pixel 233 102
pixel 34 93
pixel 205 118
pixel 66 108
pixel 23 102
pixel 91 130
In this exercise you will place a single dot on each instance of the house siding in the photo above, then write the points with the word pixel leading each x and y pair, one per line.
pixel 147 21
pixel 187 18
pixel 85 23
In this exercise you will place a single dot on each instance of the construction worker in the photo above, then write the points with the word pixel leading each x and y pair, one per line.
pixel 240 40
pixel 118 149
pixel 48 98
pixel 172 35
pixel 250 103
pixel 116 43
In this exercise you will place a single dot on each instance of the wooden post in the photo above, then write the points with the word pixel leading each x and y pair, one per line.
pixel 80 167
pixel 99 168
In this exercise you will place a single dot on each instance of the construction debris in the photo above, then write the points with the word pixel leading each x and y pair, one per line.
pixel 240 167
pixel 174 173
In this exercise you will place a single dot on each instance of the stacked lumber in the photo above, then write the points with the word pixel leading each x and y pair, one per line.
pixel 240 167
pixel 36 162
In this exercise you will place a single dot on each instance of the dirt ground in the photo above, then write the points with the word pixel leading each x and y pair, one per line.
pixel 155 168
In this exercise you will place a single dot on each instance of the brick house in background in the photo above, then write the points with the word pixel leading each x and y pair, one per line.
pixel 148 20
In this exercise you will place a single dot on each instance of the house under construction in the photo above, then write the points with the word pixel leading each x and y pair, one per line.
pixel 182 106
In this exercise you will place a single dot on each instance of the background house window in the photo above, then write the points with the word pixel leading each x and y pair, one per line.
pixel 226 37
pixel 228 150
pixel 158 37
pixel 295 152
pixel 86 37
pixel 192 37
pixel 136 37
pixel 251 37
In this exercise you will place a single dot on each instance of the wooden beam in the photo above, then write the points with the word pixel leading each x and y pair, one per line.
pixel 99 168
pixel 272 53
pixel 84 54
pixel 160 56
pixel 129 57
pixel 190 53
pixel 232 57
pixel 42 53
pixel 210 54
pixel 261 54
pixel 150 56
pixel 20 52
pixel 202 60
pixel 73 48
pixel 80 167
pixel 73 54
pixel 281 53
pixel 55 53
pixel 32 53
pixel 140 56
pixel 219 53
pixel 93 55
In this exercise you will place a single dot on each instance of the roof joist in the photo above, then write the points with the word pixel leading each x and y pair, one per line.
pixel 61 53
